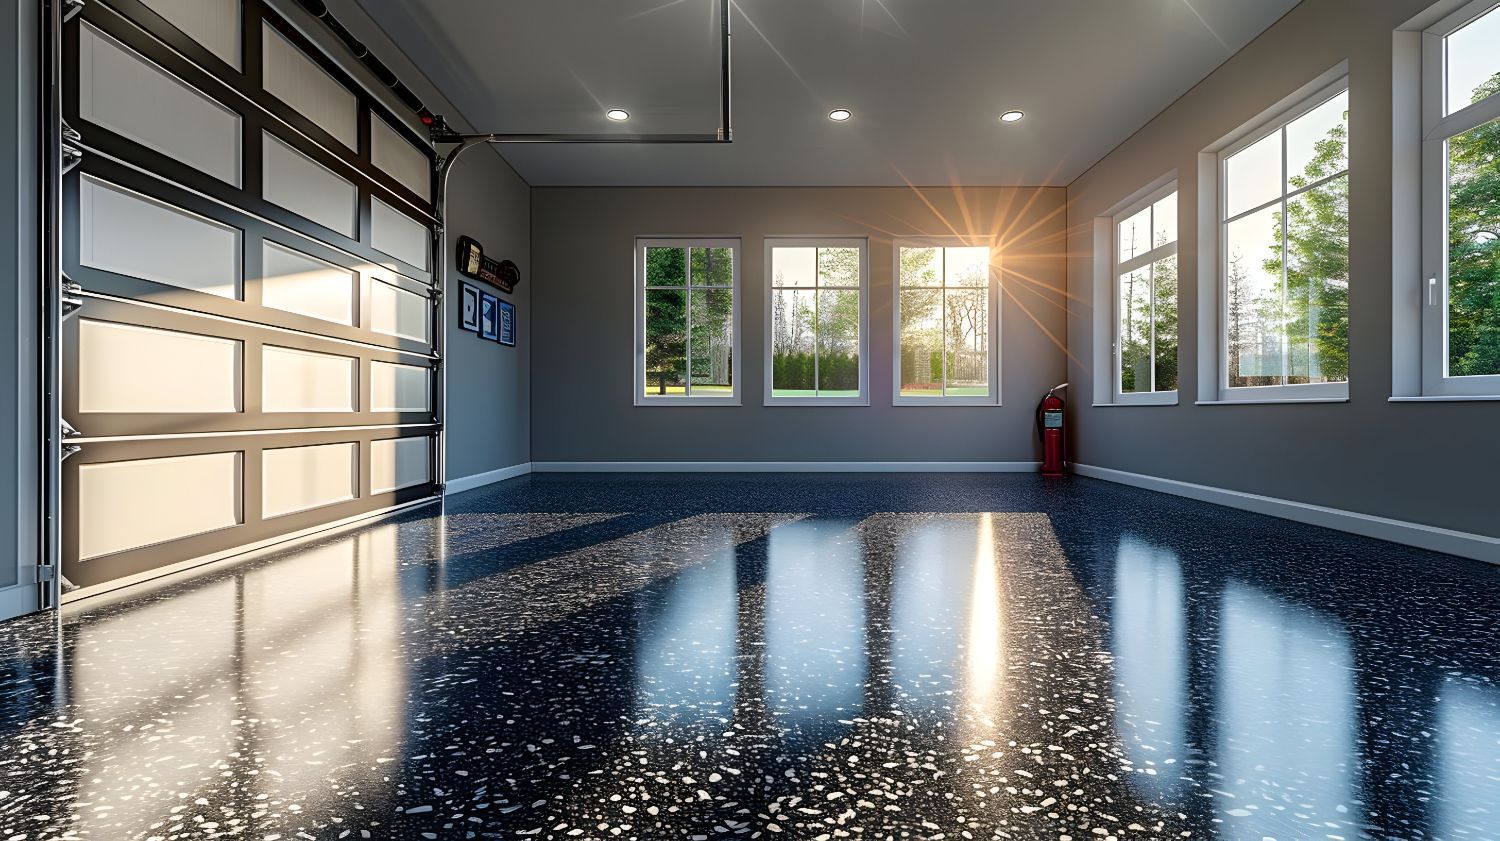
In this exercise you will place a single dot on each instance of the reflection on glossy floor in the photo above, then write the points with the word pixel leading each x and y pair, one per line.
pixel 880 657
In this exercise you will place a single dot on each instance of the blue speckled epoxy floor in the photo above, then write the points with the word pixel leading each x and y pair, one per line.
pixel 809 657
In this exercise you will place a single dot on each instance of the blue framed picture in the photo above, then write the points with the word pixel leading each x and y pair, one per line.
pixel 470 299
pixel 489 316
pixel 507 324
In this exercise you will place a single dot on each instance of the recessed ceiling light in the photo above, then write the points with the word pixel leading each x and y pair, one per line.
pixel 617 114
pixel 1011 117
pixel 839 115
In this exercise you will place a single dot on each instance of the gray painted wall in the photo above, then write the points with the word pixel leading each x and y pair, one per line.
pixel 20 488
pixel 489 385
pixel 583 240
pixel 1432 463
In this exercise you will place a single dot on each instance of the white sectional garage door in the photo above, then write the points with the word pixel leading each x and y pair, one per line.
pixel 252 231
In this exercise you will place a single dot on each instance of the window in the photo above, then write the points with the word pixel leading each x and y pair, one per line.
pixel 1461 217
pixel 815 354
pixel 1284 254
pixel 687 319
pixel 1145 300
pixel 947 317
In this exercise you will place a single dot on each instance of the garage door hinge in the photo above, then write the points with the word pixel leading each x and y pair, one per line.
pixel 44 574
pixel 71 8
pixel 72 297
pixel 72 148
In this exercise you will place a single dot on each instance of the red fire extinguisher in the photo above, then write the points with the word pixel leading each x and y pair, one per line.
pixel 1049 427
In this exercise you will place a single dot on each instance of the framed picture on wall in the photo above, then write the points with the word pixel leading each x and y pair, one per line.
pixel 469 301
pixel 507 324
pixel 489 316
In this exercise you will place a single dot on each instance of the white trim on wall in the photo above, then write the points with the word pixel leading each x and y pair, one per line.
pixel 1464 544
pixel 479 480
pixel 785 466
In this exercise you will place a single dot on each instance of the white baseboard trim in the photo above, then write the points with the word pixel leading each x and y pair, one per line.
pixel 785 466
pixel 479 480
pixel 1464 544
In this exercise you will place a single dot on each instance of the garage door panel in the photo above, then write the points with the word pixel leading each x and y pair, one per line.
pixel 132 234
pixel 255 353
pixel 122 356
pixel 208 32
pixel 123 91
pixel 133 369
pixel 244 497
pixel 191 495
pixel 239 261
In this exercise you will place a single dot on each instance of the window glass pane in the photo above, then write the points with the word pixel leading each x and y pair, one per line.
pixel 921 342
pixel 838 343
pixel 1253 317
pixel 665 267
pixel 793 313
pixel 1474 251
pixel 1164 221
pixel 666 341
pixel 1253 175
pixel 1164 302
pixel 838 267
pixel 1132 234
pixel 967 266
pixel 1474 62
pixel 713 266
pixel 1317 295
pixel 968 329
pixel 1135 331
pixel 712 342
pixel 794 267
pixel 921 266
pixel 1317 143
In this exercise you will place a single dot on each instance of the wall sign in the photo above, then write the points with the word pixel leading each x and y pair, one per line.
pixel 470 297
pixel 507 323
pixel 501 274
pixel 489 318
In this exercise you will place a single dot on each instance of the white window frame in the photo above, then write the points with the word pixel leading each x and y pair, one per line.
pixel 772 243
pixel 639 381
pixel 1437 129
pixel 1254 132
pixel 1123 267
pixel 996 310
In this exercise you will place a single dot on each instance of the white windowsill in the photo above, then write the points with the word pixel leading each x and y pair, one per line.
pixel 817 401
pixel 1265 400
pixel 689 401
pixel 1159 398
pixel 939 401
pixel 1448 398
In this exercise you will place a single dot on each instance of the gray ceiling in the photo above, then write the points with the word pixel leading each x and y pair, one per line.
pixel 926 80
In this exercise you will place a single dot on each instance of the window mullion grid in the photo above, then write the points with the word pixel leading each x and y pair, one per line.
pixel 1286 195
pixel 1151 281
pixel 687 345
pixel 1286 344
pixel 943 302
pixel 817 318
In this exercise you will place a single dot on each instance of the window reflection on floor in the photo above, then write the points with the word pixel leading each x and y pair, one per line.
pixel 1468 760
pixel 686 653
pixel 1287 757
pixel 815 615
pixel 928 611
pixel 985 665
pixel 1148 639
pixel 281 682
